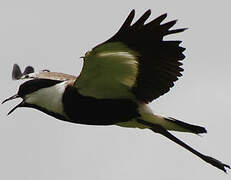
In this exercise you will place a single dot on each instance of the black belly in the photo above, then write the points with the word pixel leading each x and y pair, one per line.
pixel 92 111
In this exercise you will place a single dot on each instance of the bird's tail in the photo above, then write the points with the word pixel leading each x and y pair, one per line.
pixel 147 119
pixel 169 123
pixel 182 126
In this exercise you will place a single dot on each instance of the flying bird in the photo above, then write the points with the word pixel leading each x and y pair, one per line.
pixel 119 78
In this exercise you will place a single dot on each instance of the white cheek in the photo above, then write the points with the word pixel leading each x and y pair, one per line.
pixel 49 98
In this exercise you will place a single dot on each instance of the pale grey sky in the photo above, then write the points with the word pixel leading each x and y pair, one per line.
pixel 51 34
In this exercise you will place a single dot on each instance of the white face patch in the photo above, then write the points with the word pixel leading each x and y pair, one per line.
pixel 49 98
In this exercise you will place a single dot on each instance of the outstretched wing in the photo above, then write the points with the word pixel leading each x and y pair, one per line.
pixel 17 73
pixel 29 73
pixel 136 61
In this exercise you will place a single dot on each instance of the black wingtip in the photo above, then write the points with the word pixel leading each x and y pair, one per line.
pixel 148 12
pixel 128 20
pixel 168 25
pixel 176 31
pixel 142 19
pixel 28 70
pixel 16 72
pixel 132 11
pixel 158 20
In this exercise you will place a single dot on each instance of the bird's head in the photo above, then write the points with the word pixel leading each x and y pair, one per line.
pixel 34 92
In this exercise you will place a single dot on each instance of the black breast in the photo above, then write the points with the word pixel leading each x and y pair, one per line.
pixel 92 111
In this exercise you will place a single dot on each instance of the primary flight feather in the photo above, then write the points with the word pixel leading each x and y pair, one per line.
pixel 119 77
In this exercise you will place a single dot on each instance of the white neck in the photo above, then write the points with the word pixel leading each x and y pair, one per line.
pixel 49 98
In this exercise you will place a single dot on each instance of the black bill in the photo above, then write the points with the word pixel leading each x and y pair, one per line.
pixel 11 98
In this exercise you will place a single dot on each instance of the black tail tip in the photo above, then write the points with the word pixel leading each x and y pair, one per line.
pixel 193 128
pixel 199 129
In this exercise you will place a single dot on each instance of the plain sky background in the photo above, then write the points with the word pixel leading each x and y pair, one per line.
pixel 53 34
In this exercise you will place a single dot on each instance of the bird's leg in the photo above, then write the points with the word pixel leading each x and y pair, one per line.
pixel 159 129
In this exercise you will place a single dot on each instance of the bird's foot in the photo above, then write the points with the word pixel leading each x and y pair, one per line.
pixel 216 163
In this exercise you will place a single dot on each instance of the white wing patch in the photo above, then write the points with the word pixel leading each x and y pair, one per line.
pixel 109 71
